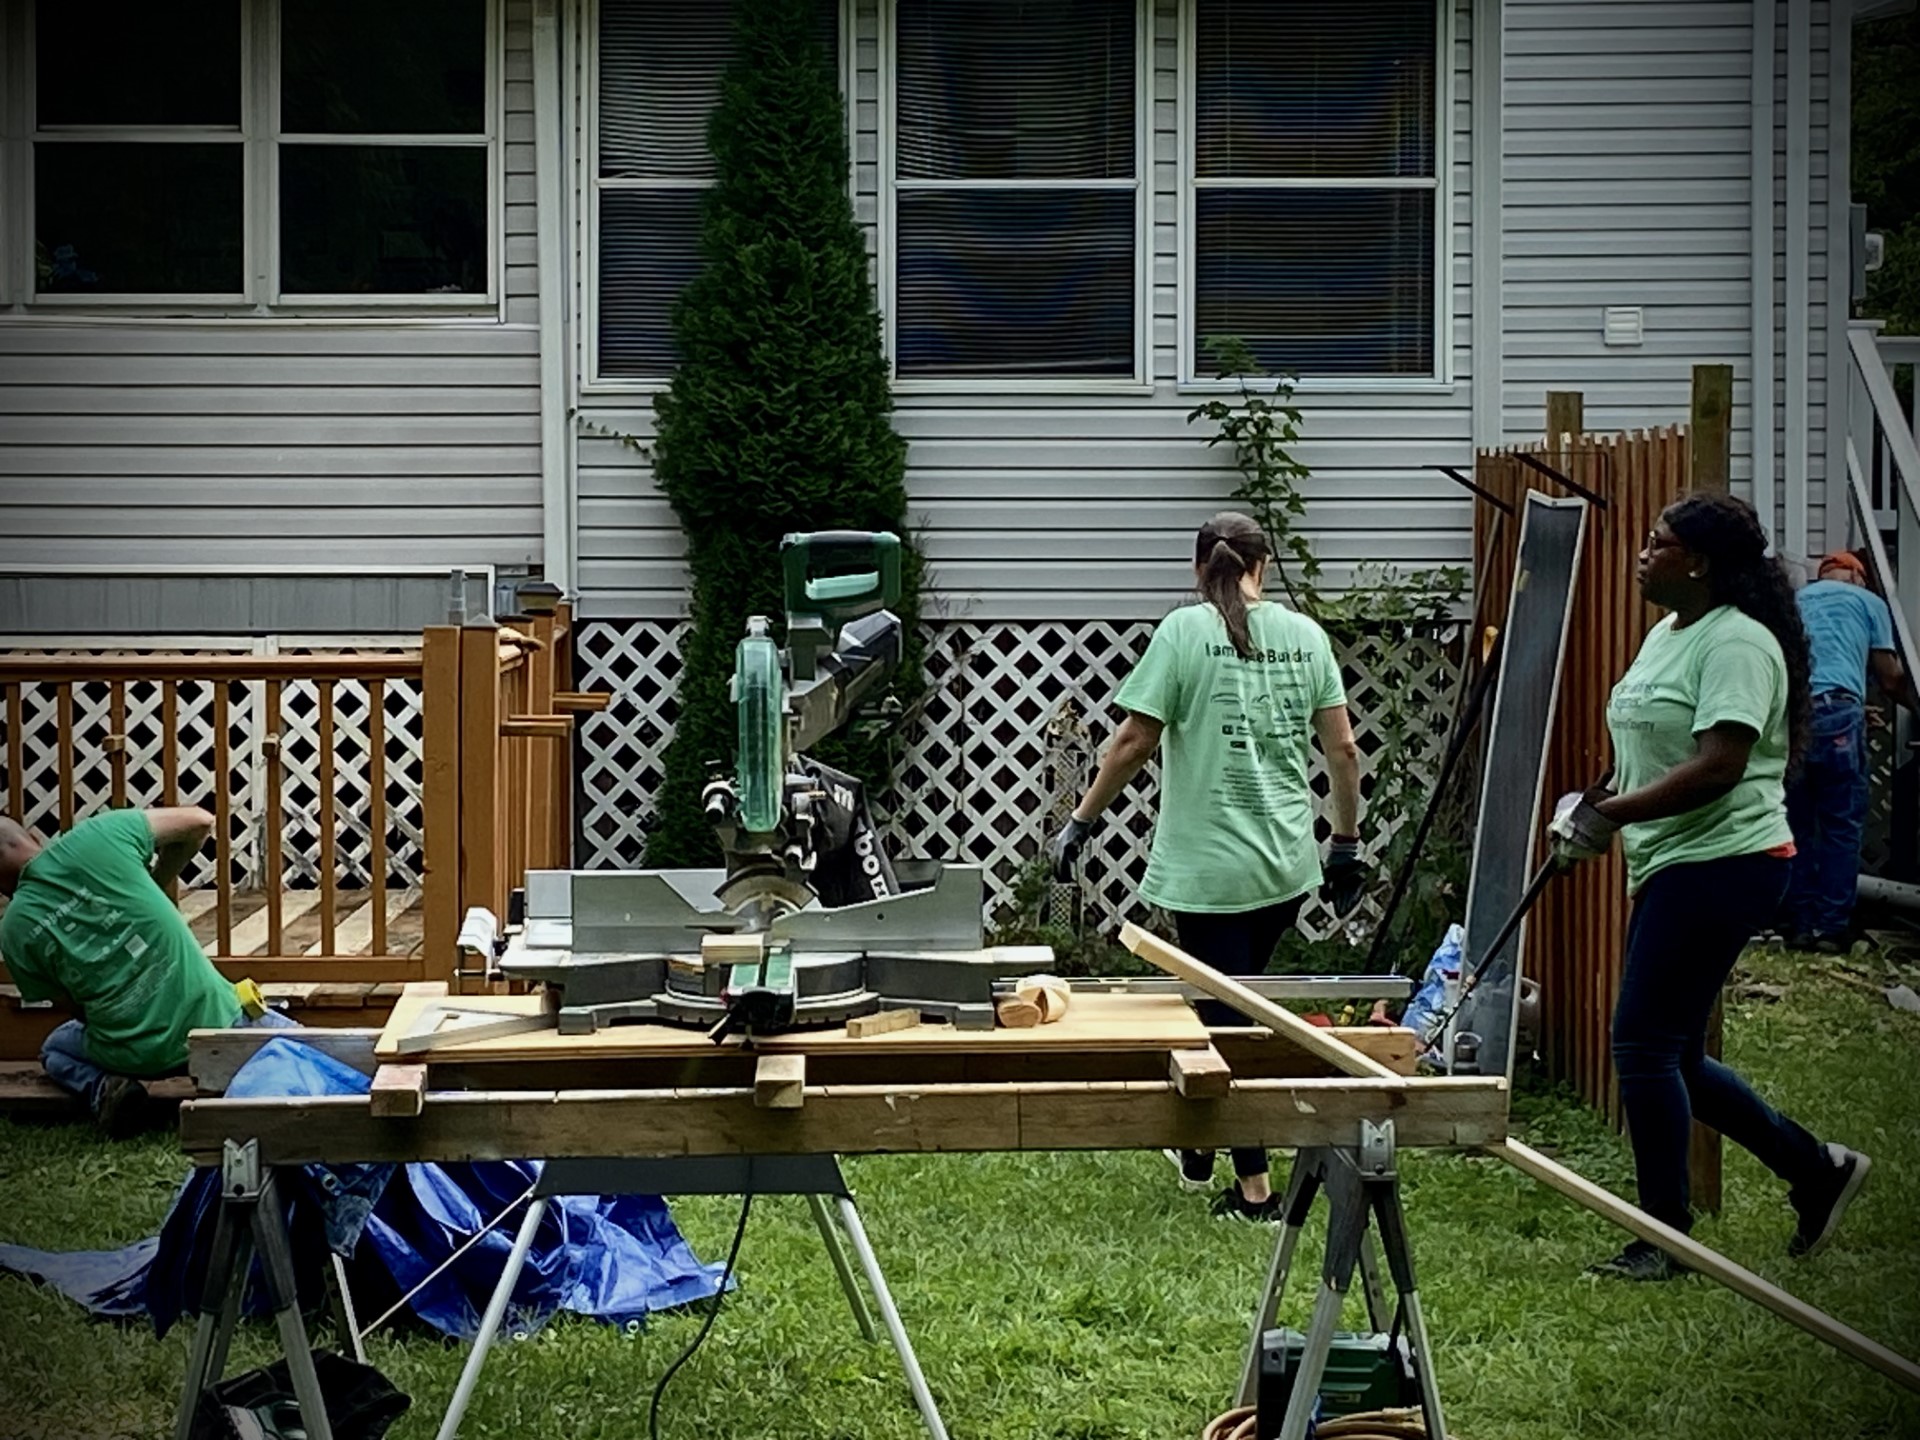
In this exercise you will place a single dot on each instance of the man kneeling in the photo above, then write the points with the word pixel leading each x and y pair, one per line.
pixel 89 925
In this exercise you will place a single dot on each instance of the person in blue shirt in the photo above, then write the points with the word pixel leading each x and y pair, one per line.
pixel 1850 631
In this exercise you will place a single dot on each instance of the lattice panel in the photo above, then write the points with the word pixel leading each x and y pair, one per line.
pixel 1002 744
pixel 246 779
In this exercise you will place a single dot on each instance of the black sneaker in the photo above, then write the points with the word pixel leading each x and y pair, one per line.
pixel 1195 1167
pixel 1230 1204
pixel 1640 1261
pixel 120 1109
pixel 1821 1203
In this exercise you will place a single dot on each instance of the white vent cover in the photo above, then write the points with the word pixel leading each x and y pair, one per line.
pixel 1622 324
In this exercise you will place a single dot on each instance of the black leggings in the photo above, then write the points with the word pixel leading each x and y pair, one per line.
pixel 1241 943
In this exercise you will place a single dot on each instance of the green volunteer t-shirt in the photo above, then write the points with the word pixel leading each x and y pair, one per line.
pixel 87 925
pixel 1235 830
pixel 1725 667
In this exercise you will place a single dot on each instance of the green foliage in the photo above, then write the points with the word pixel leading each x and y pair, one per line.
pixel 1030 916
pixel 1886 161
pixel 1384 611
pixel 778 417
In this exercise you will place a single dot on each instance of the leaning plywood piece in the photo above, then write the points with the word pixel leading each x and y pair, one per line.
pixel 1711 1263
pixel 1311 1038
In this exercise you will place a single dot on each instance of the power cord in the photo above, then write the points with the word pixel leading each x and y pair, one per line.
pixel 713 1311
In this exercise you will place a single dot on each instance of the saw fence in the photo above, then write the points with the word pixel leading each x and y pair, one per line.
pixel 362 802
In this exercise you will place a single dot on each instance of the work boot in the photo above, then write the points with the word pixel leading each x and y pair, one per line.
pixel 1195 1167
pixel 120 1108
pixel 1821 1202
pixel 1230 1204
pixel 1640 1261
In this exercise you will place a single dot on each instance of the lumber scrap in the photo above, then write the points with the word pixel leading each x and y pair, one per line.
pixel 780 1082
pixel 399 1091
pixel 883 1022
pixel 1710 1263
pixel 1175 961
pixel 1011 1012
pixel 1199 1074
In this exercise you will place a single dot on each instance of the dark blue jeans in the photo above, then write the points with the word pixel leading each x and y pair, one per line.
pixel 1827 807
pixel 1689 925
pixel 1238 944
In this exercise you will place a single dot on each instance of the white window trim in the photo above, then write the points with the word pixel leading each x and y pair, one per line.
pixel 1141 381
pixel 259 136
pixel 589 187
pixel 1442 184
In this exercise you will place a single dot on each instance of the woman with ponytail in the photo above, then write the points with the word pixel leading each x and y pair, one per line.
pixel 1238 688
pixel 1706 724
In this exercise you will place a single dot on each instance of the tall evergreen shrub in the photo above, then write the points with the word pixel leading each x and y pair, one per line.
pixel 778 418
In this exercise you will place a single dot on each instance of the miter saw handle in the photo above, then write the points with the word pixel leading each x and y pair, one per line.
pixel 840 575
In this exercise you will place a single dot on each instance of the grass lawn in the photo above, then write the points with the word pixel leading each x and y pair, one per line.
pixel 1085 1297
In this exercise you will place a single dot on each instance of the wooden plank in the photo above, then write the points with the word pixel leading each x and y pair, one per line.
pixel 377 858
pixel 117 741
pixel 440 797
pixel 1710 430
pixel 1175 961
pixel 399 1091
pixel 883 1022
pixel 1199 1074
pixel 1711 1263
pixel 276 819
pixel 339 995
pixel 27 1093
pixel 222 821
pixel 1260 1051
pixel 537 727
pixel 1096 1023
pixel 852 1120
pixel 214 1056
pixel 326 810
pixel 16 756
pixel 251 935
pixel 63 703
pixel 69 669
pixel 780 1082
pixel 540 771
pixel 360 933
pixel 580 702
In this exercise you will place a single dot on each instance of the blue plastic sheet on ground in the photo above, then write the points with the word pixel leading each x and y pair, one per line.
pixel 613 1258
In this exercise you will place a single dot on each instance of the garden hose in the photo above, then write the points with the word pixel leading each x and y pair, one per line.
pixel 1369 1425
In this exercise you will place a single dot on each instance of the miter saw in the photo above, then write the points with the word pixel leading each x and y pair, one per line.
pixel 810 922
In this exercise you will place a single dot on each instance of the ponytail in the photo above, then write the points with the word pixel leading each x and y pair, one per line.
pixel 1226 550
pixel 1742 574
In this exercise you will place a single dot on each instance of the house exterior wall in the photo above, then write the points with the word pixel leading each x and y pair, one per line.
pixel 1068 506
pixel 266 444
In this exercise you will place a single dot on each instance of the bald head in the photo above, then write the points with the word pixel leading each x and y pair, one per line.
pixel 17 847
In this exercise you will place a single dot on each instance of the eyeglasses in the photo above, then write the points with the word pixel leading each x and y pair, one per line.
pixel 1657 541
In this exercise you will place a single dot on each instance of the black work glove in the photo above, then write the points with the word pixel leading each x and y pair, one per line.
pixel 1066 847
pixel 1344 875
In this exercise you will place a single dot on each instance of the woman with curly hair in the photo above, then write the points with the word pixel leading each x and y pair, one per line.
pixel 1706 724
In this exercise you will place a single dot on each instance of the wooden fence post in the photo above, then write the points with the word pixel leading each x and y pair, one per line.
pixel 1710 430
pixel 1566 415
pixel 440 799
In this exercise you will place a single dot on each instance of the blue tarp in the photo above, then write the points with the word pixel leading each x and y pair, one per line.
pixel 614 1258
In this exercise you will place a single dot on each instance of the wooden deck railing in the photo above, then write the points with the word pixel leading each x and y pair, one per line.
pixel 492 796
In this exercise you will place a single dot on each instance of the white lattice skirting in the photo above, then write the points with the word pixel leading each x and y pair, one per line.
pixel 1004 741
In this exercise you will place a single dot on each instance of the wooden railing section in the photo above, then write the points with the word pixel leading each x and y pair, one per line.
pixel 495 784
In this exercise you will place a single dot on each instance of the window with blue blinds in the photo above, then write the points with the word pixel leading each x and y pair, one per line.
pixel 1316 183
pixel 1016 189
pixel 658 80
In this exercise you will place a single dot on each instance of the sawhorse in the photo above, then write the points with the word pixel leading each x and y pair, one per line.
pixel 1362 1187
pixel 817 1177
pixel 252 1219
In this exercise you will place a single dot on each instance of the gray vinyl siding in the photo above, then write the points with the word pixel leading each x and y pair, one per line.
pixel 1084 506
pixel 261 443
pixel 1625 181
pixel 1814 241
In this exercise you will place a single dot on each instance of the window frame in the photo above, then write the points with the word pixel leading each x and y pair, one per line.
pixel 585 199
pixel 1442 377
pixel 1141 381
pixel 260 139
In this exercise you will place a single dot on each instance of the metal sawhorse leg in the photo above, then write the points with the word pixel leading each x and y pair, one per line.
pixel 1361 1186
pixel 251 1220
pixel 817 1177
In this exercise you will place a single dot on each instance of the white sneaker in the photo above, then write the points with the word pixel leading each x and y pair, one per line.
pixel 1192 1180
